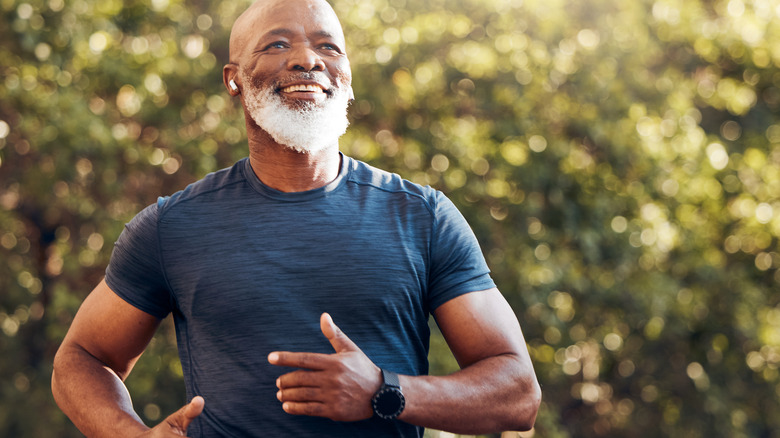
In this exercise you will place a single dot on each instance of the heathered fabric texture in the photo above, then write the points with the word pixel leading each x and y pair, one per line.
pixel 246 270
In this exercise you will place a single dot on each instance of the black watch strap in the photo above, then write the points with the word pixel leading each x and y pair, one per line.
pixel 391 379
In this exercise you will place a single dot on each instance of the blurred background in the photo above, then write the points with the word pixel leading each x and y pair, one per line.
pixel 618 160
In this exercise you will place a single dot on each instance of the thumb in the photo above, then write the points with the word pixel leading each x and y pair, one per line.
pixel 340 342
pixel 181 419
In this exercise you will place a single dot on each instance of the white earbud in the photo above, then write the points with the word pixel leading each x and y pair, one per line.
pixel 233 85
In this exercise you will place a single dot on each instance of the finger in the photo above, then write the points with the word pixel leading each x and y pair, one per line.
pixel 299 395
pixel 181 419
pixel 313 409
pixel 299 378
pixel 311 361
pixel 194 408
pixel 340 342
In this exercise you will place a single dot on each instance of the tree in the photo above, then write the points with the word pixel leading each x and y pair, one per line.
pixel 617 160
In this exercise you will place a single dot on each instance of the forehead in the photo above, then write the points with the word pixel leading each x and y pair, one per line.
pixel 264 17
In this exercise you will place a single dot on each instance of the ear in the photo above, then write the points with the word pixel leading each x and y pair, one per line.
pixel 230 79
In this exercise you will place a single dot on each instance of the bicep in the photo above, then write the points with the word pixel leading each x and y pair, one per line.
pixel 111 330
pixel 479 325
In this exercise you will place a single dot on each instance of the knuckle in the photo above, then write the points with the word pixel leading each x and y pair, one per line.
pixel 306 361
pixel 310 409
pixel 313 408
pixel 309 393
pixel 342 366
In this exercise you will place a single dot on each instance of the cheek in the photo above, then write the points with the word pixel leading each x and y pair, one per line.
pixel 344 75
pixel 263 71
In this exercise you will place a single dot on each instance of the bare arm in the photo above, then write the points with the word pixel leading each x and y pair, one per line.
pixel 104 342
pixel 496 389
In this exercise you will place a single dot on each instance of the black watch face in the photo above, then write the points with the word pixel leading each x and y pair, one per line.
pixel 388 403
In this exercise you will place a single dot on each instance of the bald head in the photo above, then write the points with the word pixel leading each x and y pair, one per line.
pixel 261 17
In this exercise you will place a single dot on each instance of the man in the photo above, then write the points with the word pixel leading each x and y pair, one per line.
pixel 257 261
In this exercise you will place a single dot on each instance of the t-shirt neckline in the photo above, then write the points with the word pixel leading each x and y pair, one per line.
pixel 319 192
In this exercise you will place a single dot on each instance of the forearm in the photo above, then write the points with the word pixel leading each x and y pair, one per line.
pixel 93 396
pixel 495 394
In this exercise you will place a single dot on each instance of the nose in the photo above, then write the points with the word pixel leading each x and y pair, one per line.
pixel 305 59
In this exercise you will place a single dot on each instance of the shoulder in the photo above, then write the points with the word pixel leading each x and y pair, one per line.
pixel 373 178
pixel 208 185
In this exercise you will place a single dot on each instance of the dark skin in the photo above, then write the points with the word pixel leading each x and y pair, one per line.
pixel 305 37
pixel 494 391
pixel 104 341
pixel 496 388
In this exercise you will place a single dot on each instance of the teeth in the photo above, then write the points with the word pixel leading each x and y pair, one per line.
pixel 312 88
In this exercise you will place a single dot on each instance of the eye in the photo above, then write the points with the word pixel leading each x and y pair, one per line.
pixel 330 47
pixel 276 45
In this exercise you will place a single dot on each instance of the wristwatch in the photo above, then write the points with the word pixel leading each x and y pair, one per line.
pixel 389 401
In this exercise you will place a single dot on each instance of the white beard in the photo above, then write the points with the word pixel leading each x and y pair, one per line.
pixel 308 129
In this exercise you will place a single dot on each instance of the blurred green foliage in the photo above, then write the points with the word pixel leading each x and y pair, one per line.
pixel 618 160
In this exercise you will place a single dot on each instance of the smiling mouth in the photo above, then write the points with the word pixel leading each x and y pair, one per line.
pixel 308 88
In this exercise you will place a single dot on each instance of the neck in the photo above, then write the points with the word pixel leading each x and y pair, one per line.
pixel 286 170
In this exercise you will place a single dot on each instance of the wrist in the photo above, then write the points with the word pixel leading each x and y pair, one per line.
pixel 389 401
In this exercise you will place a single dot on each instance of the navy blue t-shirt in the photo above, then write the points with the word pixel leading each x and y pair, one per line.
pixel 246 270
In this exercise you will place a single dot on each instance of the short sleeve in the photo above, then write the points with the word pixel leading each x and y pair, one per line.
pixel 457 264
pixel 135 270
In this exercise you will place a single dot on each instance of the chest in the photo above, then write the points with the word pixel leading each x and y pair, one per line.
pixel 285 265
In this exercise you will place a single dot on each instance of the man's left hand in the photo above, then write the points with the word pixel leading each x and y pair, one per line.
pixel 338 386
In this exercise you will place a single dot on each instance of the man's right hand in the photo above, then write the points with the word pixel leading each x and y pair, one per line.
pixel 177 423
pixel 104 341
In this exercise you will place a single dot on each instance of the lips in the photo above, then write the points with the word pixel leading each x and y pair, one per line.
pixel 307 88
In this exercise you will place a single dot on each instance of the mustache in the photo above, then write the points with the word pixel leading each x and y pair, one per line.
pixel 309 76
